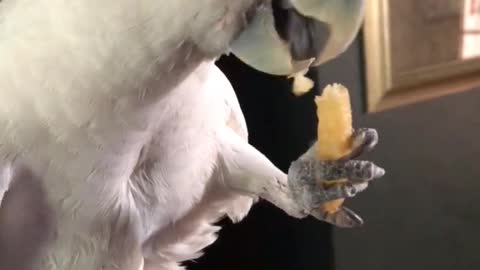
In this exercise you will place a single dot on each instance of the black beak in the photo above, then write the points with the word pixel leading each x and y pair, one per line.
pixel 306 37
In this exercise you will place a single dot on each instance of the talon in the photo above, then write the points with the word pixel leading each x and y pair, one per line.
pixel 363 141
pixel 343 218
pixel 352 170
pixel 367 137
pixel 362 170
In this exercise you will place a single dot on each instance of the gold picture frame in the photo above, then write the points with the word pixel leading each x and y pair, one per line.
pixel 395 73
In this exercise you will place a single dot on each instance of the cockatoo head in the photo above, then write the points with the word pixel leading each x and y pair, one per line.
pixel 285 37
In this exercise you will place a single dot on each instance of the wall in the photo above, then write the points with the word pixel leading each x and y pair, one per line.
pixel 444 41
pixel 425 213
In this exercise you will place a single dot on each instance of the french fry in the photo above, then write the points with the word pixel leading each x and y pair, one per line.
pixel 334 130
pixel 302 84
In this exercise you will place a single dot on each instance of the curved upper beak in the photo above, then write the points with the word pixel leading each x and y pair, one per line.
pixel 289 36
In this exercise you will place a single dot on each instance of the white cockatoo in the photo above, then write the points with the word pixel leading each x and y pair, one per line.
pixel 121 142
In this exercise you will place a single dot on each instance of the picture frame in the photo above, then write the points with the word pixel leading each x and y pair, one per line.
pixel 418 50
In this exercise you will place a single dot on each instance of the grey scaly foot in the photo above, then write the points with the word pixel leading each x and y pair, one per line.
pixel 307 177
pixel 363 141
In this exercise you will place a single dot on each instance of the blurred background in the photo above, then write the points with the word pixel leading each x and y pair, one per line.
pixel 424 213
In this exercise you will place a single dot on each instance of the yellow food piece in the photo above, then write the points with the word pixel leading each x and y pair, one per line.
pixel 301 84
pixel 334 130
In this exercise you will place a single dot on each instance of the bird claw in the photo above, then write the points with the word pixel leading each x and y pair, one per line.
pixel 363 141
pixel 343 218
pixel 312 181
